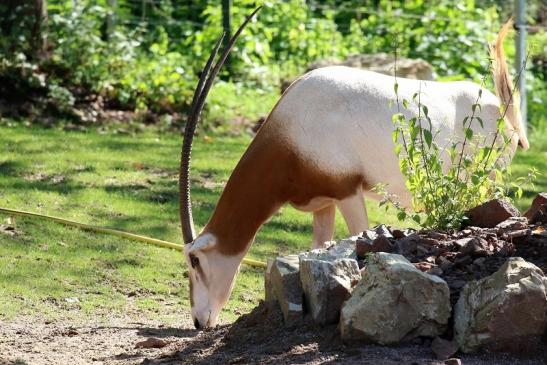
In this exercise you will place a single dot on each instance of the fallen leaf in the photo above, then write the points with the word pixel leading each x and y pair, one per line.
pixel 138 165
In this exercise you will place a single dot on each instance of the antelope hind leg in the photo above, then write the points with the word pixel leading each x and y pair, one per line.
pixel 323 226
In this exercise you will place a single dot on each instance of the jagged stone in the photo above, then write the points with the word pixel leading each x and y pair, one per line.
pixel 537 203
pixel 326 285
pixel 407 245
pixel 489 214
pixel 506 310
pixel 401 233
pixel 377 239
pixel 395 302
pixel 282 280
pixel 512 224
pixel 344 249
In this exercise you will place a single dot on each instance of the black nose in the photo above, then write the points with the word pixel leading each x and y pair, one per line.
pixel 196 324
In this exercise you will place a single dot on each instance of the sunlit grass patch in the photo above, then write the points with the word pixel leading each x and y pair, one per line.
pixel 130 183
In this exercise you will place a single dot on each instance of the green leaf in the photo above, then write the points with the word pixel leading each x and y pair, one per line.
pixel 480 121
pixel 475 179
pixel 395 135
pixel 401 215
pixel 428 137
pixel 475 106
pixel 468 134
pixel 500 124
pixel 396 88
pixel 396 117
pixel 425 109
pixel 405 103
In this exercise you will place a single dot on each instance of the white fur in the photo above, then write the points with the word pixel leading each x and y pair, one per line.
pixel 220 271
pixel 203 242
pixel 323 226
pixel 340 119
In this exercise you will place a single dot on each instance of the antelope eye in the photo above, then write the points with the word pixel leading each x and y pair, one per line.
pixel 194 261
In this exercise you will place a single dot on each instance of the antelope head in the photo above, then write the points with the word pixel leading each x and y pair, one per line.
pixel 211 273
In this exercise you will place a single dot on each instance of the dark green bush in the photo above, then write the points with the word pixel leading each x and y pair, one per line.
pixel 150 61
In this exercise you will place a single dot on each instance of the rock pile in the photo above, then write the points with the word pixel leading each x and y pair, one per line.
pixel 466 289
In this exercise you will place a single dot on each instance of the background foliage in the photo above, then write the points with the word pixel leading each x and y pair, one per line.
pixel 145 55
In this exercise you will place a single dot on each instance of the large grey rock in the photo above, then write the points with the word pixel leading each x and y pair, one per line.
pixel 383 63
pixel 506 310
pixel 379 62
pixel 395 302
pixel 326 285
pixel 282 280
pixel 343 249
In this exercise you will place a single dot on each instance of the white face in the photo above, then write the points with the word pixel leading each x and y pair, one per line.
pixel 211 276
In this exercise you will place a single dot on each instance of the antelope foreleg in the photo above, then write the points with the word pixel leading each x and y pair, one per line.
pixel 354 212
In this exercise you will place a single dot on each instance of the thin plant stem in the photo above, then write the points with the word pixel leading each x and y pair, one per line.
pixel 473 108
pixel 397 95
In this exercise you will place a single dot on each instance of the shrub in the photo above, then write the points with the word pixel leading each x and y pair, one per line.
pixel 477 168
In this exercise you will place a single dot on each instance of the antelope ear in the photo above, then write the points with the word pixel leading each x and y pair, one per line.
pixel 202 243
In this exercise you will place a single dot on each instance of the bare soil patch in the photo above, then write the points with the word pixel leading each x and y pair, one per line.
pixel 256 338
pixel 261 337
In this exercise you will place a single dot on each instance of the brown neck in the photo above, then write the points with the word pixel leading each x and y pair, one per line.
pixel 252 195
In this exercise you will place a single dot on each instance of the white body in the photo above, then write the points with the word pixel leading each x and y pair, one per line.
pixel 340 119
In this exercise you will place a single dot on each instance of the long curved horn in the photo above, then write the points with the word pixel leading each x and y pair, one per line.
pixel 200 94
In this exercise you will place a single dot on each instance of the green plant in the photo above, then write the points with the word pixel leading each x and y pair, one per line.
pixel 447 181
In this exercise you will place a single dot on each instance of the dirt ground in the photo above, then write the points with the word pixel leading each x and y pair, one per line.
pixel 256 338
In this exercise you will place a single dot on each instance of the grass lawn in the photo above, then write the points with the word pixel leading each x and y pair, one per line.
pixel 130 183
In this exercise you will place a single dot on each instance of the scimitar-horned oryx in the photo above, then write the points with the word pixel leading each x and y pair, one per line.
pixel 324 145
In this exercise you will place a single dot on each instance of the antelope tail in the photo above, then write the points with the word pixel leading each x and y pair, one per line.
pixel 505 90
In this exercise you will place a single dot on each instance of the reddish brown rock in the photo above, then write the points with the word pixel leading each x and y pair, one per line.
pixel 512 224
pixel 408 245
pixel 377 239
pixel 491 213
pixel 475 246
pixel 152 343
pixel 540 216
pixel 363 246
pixel 401 233
pixel 539 200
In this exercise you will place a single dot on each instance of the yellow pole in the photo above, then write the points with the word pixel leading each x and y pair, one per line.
pixel 114 232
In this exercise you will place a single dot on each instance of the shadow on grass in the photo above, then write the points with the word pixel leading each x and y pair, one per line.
pixel 11 168
pixel 64 188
